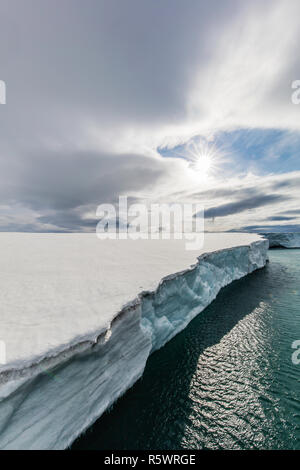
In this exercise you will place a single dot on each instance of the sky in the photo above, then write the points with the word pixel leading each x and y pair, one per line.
pixel 169 101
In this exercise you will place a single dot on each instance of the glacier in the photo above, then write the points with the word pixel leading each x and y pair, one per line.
pixel 283 239
pixel 81 317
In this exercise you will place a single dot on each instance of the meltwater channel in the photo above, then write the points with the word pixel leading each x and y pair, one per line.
pixel 227 381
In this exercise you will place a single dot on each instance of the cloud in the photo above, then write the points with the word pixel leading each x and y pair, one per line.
pixel 293 212
pixel 271 228
pixel 279 218
pixel 244 204
pixel 249 201
pixel 93 90
pixel 287 183
pixel 61 188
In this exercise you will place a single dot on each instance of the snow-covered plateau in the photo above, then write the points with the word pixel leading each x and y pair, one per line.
pixel 284 239
pixel 80 316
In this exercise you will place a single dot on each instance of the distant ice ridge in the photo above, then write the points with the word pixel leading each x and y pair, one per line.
pixel 284 240
pixel 49 403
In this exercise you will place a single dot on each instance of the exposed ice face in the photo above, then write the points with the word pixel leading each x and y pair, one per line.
pixel 284 240
pixel 52 405
pixel 180 298
pixel 47 405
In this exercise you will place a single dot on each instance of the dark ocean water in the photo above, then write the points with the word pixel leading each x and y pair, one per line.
pixel 227 381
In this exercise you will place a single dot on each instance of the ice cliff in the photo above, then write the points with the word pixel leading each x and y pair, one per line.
pixel 284 240
pixel 48 400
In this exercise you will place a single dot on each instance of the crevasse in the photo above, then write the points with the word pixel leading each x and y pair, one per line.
pixel 50 403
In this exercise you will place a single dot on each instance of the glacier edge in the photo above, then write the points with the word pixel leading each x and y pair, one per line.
pixel 49 404
pixel 283 239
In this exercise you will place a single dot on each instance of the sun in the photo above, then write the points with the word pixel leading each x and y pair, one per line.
pixel 202 157
pixel 203 164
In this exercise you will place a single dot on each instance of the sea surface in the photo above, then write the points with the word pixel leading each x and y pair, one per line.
pixel 227 381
